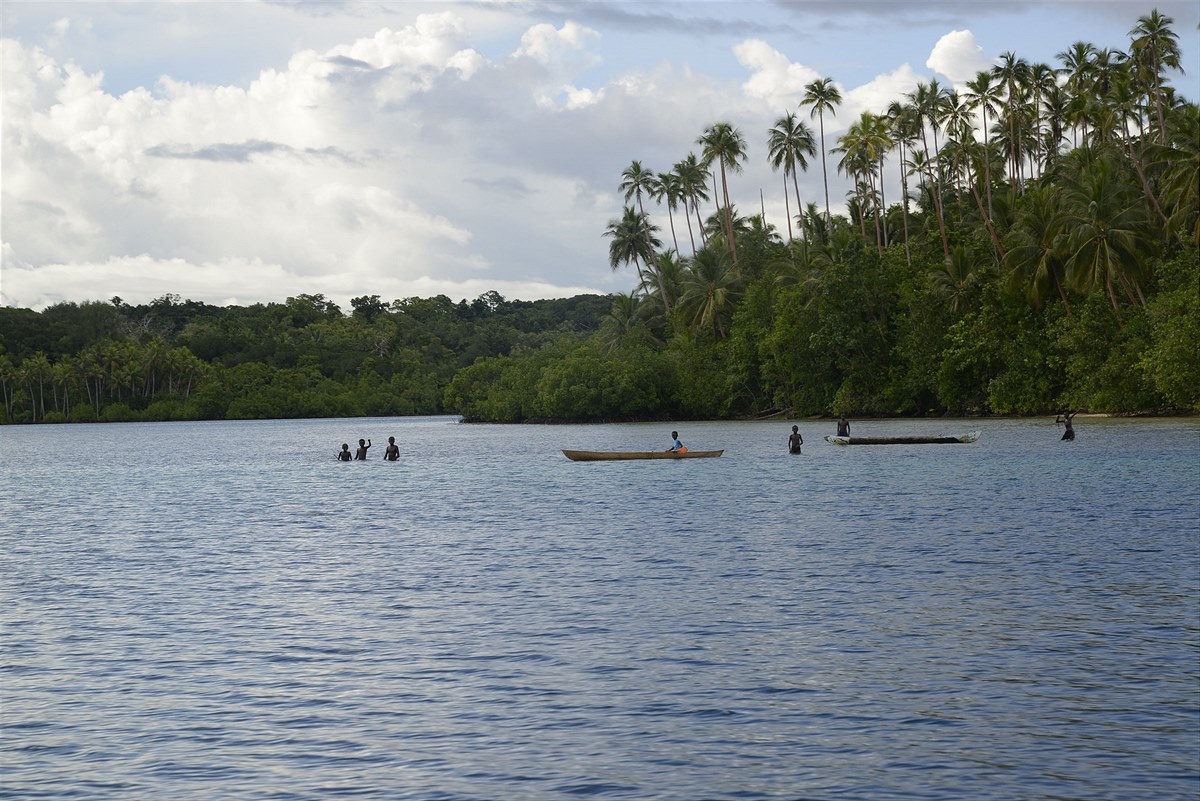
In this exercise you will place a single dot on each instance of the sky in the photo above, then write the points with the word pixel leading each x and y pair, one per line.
pixel 245 152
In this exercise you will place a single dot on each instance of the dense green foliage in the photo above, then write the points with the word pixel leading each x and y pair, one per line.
pixel 1043 256
pixel 173 360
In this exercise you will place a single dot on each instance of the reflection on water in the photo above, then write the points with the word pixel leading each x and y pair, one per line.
pixel 222 610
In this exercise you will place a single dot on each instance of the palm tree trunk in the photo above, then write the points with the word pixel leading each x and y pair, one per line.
pixel 728 215
pixel 824 167
pixel 987 164
pixel 799 205
pixel 904 205
pixel 883 204
pixel 787 207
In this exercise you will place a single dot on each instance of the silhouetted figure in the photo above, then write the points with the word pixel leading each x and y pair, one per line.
pixel 1065 419
pixel 795 440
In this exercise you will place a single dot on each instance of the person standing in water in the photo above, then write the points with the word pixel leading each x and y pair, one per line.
pixel 361 453
pixel 344 453
pixel 1065 419
pixel 795 440
pixel 843 426
pixel 392 452
pixel 676 445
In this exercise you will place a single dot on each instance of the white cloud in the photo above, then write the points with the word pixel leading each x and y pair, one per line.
pixel 957 56
pixel 548 45
pixel 316 167
pixel 875 95
pixel 774 78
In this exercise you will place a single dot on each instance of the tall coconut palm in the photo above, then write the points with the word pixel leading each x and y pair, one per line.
pixel 952 114
pixel 902 121
pixel 636 182
pixel 633 242
pixel 1056 125
pixel 1042 81
pixel 1013 74
pixel 968 153
pixel 823 96
pixel 1077 67
pixel 725 147
pixel 984 96
pixel 864 144
pixel 1123 104
pixel 693 184
pixel 1105 68
pixel 920 164
pixel 1157 46
pixel 788 145
pixel 669 190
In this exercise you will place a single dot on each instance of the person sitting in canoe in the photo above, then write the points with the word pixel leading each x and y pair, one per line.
pixel 795 440
pixel 344 453
pixel 843 426
pixel 676 445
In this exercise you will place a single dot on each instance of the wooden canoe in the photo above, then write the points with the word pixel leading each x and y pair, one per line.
pixel 618 456
pixel 970 436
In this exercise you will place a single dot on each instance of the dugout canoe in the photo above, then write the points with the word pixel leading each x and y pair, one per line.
pixel 621 456
pixel 918 439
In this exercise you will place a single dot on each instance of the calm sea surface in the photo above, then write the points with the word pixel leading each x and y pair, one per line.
pixel 221 610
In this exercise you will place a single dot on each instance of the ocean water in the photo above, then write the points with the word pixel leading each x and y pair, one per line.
pixel 220 610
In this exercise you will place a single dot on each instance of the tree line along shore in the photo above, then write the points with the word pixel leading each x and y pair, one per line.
pixel 1044 254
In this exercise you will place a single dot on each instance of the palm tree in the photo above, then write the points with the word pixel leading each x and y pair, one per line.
pixel 1013 74
pixel 633 241
pixel 903 123
pixel 954 278
pixel 627 322
pixel 925 100
pixel 823 96
pixel 637 181
pixel 693 184
pixel 1042 81
pixel 1035 260
pixel 668 188
pixel 788 144
pixel 864 144
pixel 1123 105
pixel 1107 231
pixel 1156 45
pixel 983 95
pixel 725 146
pixel 710 287
pixel 1056 125
pixel 1077 66
pixel 1179 162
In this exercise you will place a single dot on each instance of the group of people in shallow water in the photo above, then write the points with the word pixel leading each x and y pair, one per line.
pixel 390 454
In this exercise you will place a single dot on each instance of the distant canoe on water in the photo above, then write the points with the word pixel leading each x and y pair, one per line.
pixel 970 436
pixel 622 456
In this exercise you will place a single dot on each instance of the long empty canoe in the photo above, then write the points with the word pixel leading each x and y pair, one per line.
pixel 970 436
pixel 616 456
